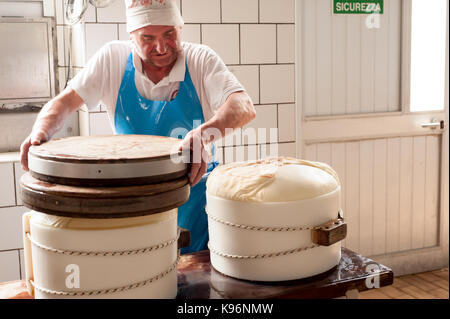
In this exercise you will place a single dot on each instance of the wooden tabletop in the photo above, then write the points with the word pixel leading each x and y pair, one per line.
pixel 198 280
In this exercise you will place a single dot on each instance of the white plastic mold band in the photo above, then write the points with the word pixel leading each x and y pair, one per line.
pixel 109 290
pixel 105 171
pixel 104 253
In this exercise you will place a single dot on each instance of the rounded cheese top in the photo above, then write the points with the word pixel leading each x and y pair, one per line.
pixel 279 179
pixel 100 224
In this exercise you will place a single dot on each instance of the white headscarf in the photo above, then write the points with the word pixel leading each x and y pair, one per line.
pixel 141 13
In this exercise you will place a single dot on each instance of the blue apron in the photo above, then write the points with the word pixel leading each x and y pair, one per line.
pixel 137 115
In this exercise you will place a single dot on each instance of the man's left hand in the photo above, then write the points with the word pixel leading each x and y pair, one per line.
pixel 200 157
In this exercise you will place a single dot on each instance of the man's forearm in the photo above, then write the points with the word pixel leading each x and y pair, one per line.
pixel 52 116
pixel 237 111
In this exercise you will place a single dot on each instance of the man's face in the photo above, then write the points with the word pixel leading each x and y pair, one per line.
pixel 158 46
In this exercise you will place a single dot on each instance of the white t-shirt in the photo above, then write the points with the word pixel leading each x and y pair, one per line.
pixel 100 79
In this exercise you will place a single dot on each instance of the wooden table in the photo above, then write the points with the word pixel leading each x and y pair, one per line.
pixel 198 280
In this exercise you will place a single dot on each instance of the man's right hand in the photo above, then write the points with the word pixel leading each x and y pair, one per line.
pixel 50 120
pixel 32 139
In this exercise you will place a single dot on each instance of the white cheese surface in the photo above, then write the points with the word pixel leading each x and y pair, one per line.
pixel 279 179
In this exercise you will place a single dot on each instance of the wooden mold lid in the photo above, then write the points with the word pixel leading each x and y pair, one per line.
pixel 102 202
pixel 108 160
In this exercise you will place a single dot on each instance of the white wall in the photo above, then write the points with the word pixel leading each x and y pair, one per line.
pixel 11 207
pixel 256 40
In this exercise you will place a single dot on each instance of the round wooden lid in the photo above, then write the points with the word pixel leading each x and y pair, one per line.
pixel 108 160
pixel 102 202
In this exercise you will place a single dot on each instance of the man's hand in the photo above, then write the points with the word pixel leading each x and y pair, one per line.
pixel 200 157
pixel 50 120
pixel 35 138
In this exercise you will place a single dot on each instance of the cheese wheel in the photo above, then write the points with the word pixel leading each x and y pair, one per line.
pixel 56 267
pixel 261 214
pixel 280 179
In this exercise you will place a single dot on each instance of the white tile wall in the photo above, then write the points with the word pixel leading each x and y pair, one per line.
pixel 219 154
pixel 268 150
pixel 286 43
pixel 7 194
pixel 62 77
pixel 280 149
pixel 18 172
pixel 224 39
pixel 279 11
pixel 65 35
pixel 99 124
pixel 91 14
pixel 123 34
pixel 21 9
pixel 287 149
pixel 22 264
pixel 251 32
pixel 59 11
pixel 113 13
pixel 61 45
pixel 265 120
pixel 286 115
pixel 191 33
pixel 248 76
pixel 11 227
pixel 48 8
pixel 97 35
pixel 240 153
pixel 201 11
pixel 240 11
pixel 9 265
pixel 277 84
pixel 230 139
pixel 78 45
pixel 258 43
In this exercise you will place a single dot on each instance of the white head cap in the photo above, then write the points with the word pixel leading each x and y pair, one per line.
pixel 141 13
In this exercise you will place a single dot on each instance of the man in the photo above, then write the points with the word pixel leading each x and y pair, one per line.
pixel 156 85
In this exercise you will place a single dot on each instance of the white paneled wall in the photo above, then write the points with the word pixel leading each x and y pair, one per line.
pixel 255 38
pixel 348 67
pixel 390 191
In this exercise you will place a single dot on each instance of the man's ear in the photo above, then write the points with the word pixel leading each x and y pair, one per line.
pixel 132 35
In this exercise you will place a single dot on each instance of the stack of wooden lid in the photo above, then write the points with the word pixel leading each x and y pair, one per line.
pixel 111 176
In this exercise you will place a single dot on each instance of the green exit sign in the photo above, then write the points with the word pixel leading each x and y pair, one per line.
pixel 358 6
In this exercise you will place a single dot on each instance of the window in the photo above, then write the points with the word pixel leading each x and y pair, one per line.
pixel 428 39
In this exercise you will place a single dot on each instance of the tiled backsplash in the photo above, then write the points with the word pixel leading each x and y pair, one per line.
pixel 255 38
pixel 11 210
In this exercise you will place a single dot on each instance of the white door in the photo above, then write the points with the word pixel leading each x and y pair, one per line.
pixel 359 90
